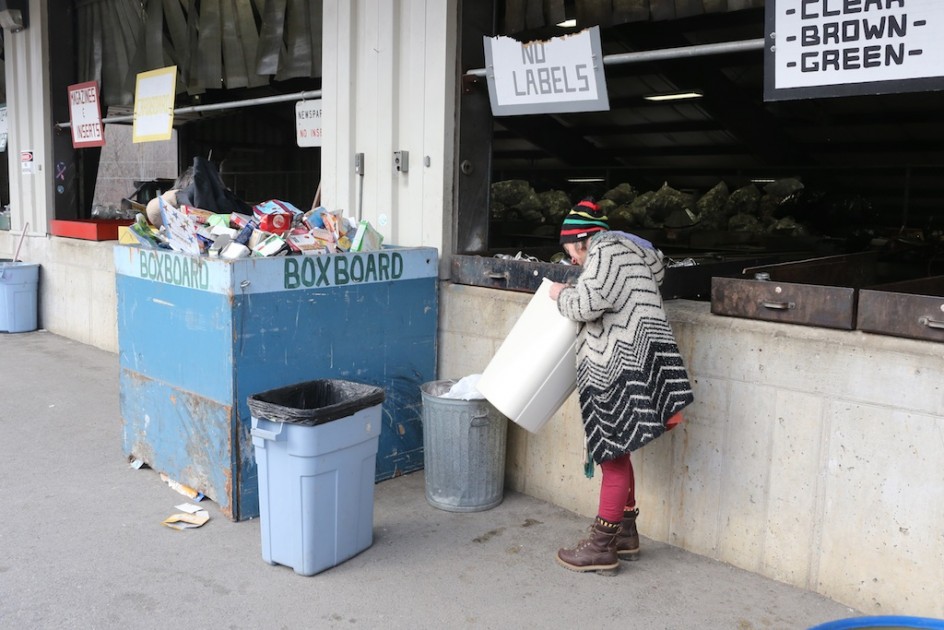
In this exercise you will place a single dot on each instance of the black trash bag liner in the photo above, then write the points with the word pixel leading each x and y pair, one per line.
pixel 314 402
pixel 207 191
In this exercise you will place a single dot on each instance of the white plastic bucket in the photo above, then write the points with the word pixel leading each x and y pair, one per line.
pixel 534 370
pixel 18 283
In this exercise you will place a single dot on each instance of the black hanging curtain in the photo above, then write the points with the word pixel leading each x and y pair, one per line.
pixel 522 15
pixel 3 71
pixel 215 44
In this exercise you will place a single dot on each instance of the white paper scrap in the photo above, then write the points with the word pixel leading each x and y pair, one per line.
pixel 190 508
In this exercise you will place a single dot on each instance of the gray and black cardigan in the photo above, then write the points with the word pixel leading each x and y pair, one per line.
pixel 630 375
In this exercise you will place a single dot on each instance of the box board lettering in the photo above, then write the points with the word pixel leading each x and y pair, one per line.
pixel 333 271
pixel 267 275
pixel 181 271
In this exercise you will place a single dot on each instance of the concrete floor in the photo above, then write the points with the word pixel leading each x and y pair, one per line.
pixel 82 545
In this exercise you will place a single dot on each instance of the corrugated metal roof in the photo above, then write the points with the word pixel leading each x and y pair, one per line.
pixel 215 45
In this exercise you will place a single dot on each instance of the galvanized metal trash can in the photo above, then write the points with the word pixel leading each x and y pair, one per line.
pixel 464 448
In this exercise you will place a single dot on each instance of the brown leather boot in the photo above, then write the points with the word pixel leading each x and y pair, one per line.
pixel 596 553
pixel 627 541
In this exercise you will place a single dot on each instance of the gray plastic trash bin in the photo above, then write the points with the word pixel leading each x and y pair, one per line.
pixel 18 300
pixel 316 449
pixel 464 449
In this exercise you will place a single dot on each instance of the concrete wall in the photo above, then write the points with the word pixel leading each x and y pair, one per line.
pixel 810 456
pixel 76 291
pixel 123 162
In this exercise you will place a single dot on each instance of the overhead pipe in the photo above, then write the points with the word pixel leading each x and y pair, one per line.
pixel 264 100
pixel 683 52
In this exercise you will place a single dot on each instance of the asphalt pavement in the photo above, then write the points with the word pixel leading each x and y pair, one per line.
pixel 82 544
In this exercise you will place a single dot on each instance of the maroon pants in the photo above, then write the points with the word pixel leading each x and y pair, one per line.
pixel 618 488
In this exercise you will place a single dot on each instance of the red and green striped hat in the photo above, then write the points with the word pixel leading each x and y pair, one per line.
pixel 584 220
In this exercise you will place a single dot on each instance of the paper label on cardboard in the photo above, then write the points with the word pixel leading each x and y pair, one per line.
pixel 181 228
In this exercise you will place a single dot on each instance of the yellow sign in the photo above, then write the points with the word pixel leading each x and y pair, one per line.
pixel 154 105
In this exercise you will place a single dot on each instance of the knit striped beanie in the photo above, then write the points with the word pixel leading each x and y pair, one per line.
pixel 582 221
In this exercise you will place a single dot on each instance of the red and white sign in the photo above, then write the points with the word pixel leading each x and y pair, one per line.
pixel 308 123
pixel 26 162
pixel 86 115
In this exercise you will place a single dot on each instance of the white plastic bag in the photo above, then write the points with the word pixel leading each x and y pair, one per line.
pixel 465 389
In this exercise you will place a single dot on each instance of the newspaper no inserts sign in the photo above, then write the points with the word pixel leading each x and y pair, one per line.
pixel 308 123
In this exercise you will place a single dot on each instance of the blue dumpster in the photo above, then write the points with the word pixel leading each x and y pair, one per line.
pixel 197 336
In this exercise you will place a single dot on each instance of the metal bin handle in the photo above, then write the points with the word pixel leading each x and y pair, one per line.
pixel 931 323
pixel 479 420
pixel 779 306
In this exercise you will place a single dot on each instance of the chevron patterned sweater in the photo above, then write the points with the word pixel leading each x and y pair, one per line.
pixel 630 375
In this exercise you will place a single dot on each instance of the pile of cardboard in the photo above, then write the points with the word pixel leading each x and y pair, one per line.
pixel 275 228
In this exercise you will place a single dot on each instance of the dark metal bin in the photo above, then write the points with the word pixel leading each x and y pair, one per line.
pixel 814 292
pixel 913 309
